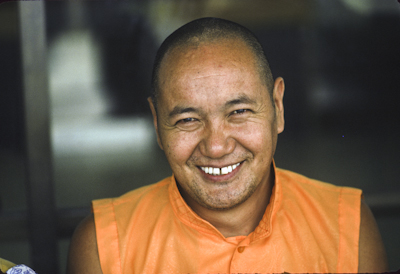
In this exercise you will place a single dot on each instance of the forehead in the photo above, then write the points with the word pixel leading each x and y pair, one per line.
pixel 186 64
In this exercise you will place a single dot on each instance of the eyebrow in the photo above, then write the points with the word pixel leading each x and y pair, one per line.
pixel 242 99
pixel 180 110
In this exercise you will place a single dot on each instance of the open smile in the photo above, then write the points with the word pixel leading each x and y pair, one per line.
pixel 220 171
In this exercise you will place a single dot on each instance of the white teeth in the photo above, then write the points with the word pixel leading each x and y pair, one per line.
pixel 219 171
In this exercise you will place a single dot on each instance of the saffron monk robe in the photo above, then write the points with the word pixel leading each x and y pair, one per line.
pixel 217 113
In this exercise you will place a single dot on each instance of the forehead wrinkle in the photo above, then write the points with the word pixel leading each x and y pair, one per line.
pixel 207 76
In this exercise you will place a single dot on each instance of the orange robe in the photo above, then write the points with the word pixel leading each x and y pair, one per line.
pixel 308 226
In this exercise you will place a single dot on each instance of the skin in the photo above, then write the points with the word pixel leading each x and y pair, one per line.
pixel 372 254
pixel 83 256
pixel 213 110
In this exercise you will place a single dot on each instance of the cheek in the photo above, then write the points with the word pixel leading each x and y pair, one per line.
pixel 256 137
pixel 179 147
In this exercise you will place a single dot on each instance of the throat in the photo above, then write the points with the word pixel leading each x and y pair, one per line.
pixel 239 223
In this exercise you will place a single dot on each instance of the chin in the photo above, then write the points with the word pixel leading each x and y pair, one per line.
pixel 219 204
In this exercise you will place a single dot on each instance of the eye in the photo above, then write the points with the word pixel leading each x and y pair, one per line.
pixel 188 124
pixel 240 115
pixel 186 120
pixel 240 111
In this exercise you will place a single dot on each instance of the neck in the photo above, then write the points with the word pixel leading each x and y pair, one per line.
pixel 242 219
pixel 238 221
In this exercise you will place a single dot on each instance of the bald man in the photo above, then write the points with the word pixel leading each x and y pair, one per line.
pixel 227 208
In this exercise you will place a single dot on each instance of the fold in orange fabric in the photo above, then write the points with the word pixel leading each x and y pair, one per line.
pixel 309 226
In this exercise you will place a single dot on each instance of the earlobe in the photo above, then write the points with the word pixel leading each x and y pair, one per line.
pixel 155 121
pixel 279 90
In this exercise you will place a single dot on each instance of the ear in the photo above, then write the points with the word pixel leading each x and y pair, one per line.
pixel 155 121
pixel 279 90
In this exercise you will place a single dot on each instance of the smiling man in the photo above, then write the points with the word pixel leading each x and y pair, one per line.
pixel 227 208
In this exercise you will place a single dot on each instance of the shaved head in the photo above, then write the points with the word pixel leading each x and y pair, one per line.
pixel 207 31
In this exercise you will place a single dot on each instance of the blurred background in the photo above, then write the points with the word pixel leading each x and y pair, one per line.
pixel 75 124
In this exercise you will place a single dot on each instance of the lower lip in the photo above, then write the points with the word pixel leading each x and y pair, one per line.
pixel 224 177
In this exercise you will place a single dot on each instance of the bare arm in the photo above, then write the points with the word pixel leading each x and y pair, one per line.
pixel 83 256
pixel 372 255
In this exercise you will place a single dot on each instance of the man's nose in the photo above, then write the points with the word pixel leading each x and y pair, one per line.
pixel 217 142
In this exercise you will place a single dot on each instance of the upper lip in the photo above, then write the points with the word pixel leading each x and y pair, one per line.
pixel 220 166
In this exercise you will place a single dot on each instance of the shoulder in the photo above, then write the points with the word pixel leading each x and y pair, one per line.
pixel 83 256
pixel 158 189
pixel 147 197
pixel 296 182
pixel 290 177
pixel 94 230
pixel 372 255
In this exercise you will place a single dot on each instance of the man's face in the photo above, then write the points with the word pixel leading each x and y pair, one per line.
pixel 216 123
